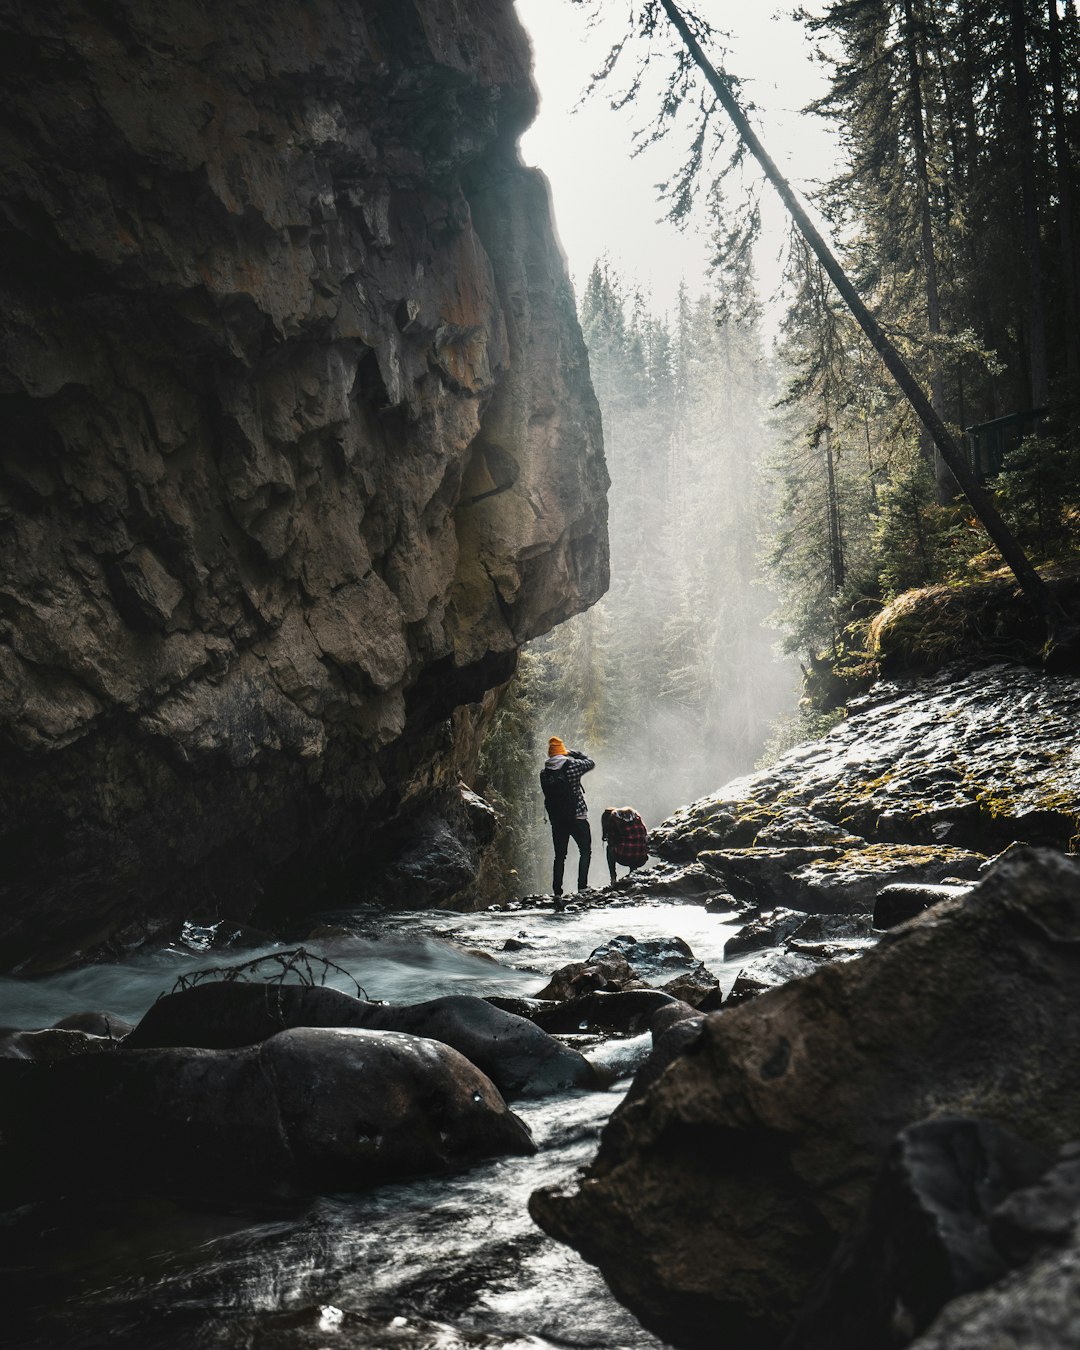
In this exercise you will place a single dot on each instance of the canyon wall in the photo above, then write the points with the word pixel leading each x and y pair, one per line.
pixel 300 447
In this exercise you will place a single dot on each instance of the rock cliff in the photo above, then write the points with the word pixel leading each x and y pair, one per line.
pixel 300 448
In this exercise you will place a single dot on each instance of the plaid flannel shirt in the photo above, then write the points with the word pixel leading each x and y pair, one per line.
pixel 576 765
pixel 628 837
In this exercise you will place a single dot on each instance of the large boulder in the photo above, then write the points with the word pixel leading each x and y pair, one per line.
pixel 324 1108
pixel 718 1196
pixel 519 1058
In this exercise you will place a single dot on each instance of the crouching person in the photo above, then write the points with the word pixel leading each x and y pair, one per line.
pixel 626 836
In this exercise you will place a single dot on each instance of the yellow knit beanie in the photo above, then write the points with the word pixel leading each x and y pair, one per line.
pixel 556 747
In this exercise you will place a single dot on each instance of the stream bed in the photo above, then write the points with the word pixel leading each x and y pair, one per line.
pixel 441 1262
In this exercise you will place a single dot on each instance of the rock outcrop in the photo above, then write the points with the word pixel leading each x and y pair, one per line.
pixel 300 447
pixel 970 760
pixel 718 1193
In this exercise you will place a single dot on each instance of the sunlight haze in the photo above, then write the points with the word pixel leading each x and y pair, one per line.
pixel 606 202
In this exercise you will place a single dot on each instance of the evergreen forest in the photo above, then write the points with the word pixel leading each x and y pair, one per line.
pixel 774 495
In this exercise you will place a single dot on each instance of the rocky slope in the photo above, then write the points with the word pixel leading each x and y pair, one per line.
pixel 300 447
pixel 821 1164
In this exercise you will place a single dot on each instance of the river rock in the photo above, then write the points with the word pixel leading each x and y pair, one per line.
pixel 692 883
pixel 612 972
pixel 96 1024
pixel 767 930
pixel 902 900
pixel 924 1239
pixel 300 449
pixel 833 937
pixel 52 1044
pixel 769 971
pixel 520 1058
pixel 323 1108
pixel 766 1140
pixel 626 1013
pixel 765 874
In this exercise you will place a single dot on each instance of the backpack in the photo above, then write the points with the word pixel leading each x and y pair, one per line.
pixel 560 799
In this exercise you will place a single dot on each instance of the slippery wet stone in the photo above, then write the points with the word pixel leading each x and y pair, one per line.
pixel 767 930
pixel 969 758
pixel 769 971
pixel 902 900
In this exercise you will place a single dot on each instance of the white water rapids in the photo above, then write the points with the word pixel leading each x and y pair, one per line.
pixel 441 1262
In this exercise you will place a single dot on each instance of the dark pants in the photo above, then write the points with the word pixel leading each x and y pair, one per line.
pixel 611 863
pixel 561 834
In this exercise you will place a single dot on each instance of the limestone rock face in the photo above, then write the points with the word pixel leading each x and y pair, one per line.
pixel 300 447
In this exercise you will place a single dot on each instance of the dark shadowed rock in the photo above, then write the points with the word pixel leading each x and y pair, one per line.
pixel 1036 1308
pixel 765 1136
pixel 902 900
pixel 324 1108
pixel 96 1024
pixel 52 1044
pixel 609 971
pixel 516 1055
pixel 768 930
pixel 626 1013
pixel 1042 1215
pixel 924 1239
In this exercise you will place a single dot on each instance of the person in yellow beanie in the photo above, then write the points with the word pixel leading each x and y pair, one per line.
pixel 567 811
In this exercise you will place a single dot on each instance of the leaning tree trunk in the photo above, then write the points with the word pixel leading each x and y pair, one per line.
pixel 1030 582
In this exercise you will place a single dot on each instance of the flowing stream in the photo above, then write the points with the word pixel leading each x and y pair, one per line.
pixel 439 1262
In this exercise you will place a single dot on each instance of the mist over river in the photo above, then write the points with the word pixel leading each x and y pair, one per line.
pixel 443 1261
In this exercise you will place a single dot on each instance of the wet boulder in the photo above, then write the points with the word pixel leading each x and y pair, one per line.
pixel 766 1140
pixel 321 1108
pixel 609 971
pixel 624 1013
pixel 852 881
pixel 831 937
pixel 770 970
pixel 96 1024
pixel 624 963
pixel 902 900
pixel 698 987
pixel 51 1044
pixel 519 1058
pixel 691 883
pixel 766 875
pixel 767 930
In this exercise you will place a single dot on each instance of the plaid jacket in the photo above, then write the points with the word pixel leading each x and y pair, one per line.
pixel 626 833
pixel 576 764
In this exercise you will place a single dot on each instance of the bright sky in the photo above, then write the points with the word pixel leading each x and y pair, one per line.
pixel 605 200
